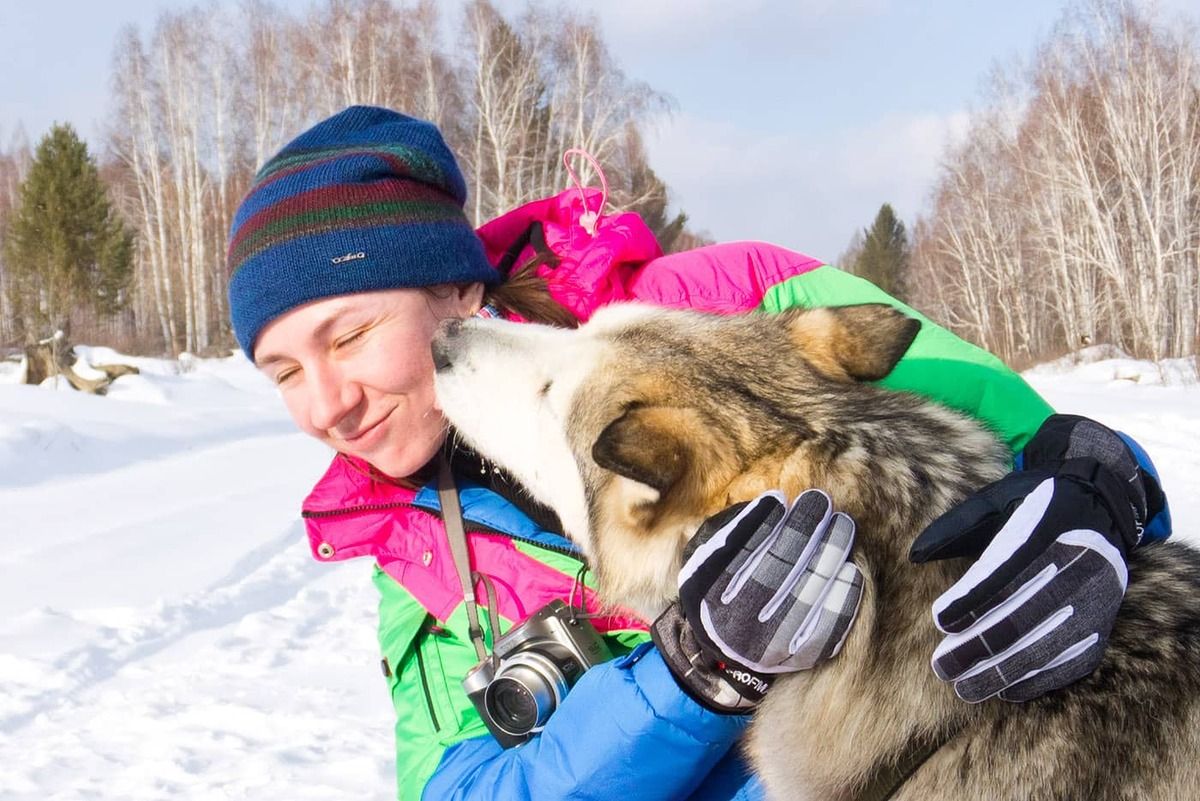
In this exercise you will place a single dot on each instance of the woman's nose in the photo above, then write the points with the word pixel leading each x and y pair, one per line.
pixel 333 394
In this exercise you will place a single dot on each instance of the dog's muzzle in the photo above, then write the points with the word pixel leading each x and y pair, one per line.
pixel 442 344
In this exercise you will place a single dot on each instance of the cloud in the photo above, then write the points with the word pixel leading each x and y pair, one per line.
pixel 900 151
pixel 809 189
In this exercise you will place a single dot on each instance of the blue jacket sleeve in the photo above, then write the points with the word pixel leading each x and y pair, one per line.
pixel 624 731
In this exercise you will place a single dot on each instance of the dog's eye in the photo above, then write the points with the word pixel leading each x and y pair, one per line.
pixel 545 390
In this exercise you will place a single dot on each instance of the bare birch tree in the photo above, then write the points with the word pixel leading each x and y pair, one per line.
pixel 538 86
pixel 134 140
pixel 1069 214
pixel 207 95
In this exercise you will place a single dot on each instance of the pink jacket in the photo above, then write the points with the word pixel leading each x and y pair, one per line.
pixel 622 261
pixel 350 513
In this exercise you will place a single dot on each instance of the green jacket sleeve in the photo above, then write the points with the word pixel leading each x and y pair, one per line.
pixel 938 364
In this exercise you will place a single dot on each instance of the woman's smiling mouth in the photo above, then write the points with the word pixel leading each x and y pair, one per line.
pixel 365 435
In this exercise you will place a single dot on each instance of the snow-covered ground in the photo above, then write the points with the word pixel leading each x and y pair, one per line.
pixel 164 632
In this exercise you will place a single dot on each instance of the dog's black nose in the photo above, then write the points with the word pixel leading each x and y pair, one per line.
pixel 441 358
pixel 440 347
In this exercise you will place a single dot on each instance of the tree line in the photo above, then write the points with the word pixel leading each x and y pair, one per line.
pixel 209 93
pixel 1070 212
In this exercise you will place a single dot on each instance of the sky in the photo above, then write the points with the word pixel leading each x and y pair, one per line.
pixel 793 121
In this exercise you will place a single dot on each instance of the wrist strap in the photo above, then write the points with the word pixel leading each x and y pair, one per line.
pixel 456 533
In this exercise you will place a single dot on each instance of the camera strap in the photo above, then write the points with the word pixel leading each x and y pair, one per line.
pixel 457 534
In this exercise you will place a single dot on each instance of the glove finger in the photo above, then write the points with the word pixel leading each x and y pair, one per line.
pixel 808 580
pixel 746 515
pixel 968 528
pixel 822 637
pixel 1024 538
pixel 1070 668
pixel 722 549
pixel 763 608
pixel 780 561
pixel 797 645
pixel 854 595
pixel 1058 649
pixel 1058 640
pixel 1070 574
pixel 711 526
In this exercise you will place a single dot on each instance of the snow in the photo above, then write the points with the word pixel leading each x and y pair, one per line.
pixel 164 632
pixel 1158 405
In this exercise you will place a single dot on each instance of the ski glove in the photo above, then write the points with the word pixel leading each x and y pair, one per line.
pixel 764 589
pixel 1034 612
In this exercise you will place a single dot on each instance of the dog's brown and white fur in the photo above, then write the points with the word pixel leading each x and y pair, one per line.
pixel 644 422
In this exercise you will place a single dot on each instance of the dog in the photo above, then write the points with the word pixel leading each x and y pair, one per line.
pixel 643 422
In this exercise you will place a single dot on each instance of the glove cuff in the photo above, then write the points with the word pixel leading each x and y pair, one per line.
pixel 1111 491
pixel 1066 438
pixel 716 685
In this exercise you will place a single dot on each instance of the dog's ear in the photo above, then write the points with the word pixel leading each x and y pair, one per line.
pixel 861 343
pixel 645 445
pixel 665 459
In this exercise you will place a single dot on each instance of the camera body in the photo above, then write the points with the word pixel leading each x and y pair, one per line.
pixel 531 669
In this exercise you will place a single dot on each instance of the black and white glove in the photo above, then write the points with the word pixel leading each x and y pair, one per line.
pixel 764 589
pixel 1034 612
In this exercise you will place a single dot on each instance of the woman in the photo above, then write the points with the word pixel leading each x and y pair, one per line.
pixel 345 255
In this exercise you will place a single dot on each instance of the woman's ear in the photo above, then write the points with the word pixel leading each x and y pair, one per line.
pixel 470 297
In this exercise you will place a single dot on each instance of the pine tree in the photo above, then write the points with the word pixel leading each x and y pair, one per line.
pixel 638 188
pixel 649 195
pixel 65 247
pixel 883 257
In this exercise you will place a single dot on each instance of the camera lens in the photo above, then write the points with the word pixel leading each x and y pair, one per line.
pixel 513 706
pixel 524 692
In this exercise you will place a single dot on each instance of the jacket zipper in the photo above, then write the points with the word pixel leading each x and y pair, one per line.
pixel 349 510
pixel 425 684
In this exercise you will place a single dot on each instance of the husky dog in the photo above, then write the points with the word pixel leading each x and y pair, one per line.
pixel 643 422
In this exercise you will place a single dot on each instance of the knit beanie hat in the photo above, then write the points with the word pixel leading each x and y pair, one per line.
pixel 368 199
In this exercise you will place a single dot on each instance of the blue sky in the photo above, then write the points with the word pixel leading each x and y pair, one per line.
pixel 794 122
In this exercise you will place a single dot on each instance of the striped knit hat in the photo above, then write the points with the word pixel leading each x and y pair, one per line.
pixel 368 199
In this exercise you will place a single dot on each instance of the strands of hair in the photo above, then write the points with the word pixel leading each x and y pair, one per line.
pixel 526 293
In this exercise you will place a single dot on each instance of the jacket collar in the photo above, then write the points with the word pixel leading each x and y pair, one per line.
pixel 350 485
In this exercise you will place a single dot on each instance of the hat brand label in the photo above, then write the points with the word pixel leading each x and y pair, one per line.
pixel 349 257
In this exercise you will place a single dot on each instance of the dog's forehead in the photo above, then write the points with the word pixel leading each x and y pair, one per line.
pixel 642 325
pixel 620 317
pixel 650 329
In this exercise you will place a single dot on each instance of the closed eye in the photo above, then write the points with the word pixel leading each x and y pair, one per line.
pixel 545 390
pixel 350 339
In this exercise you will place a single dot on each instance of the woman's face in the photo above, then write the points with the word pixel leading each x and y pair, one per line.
pixel 355 371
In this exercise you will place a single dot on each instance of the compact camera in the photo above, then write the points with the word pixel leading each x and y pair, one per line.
pixel 531 669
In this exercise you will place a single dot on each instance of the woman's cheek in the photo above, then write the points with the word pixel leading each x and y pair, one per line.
pixel 408 366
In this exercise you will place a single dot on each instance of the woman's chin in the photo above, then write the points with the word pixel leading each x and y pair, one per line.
pixel 403 462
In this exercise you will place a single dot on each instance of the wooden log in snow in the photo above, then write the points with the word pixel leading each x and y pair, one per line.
pixel 55 356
